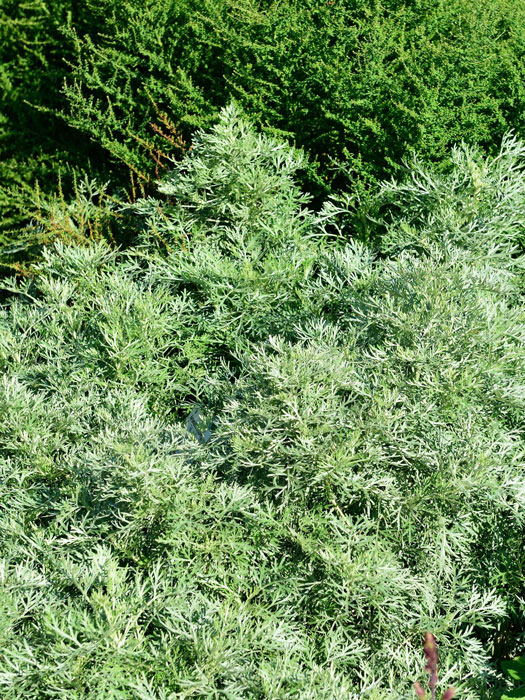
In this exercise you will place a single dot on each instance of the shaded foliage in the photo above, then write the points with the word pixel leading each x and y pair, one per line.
pixel 35 145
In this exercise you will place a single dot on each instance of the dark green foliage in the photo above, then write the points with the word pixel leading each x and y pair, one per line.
pixel 514 670
pixel 361 476
pixel 36 145
pixel 355 83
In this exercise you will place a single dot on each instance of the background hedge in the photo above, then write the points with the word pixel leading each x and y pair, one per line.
pixel 357 84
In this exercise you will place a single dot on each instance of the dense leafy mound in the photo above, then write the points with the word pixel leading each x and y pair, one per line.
pixel 357 475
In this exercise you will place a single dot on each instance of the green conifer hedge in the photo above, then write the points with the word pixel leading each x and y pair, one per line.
pixel 35 144
pixel 357 84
